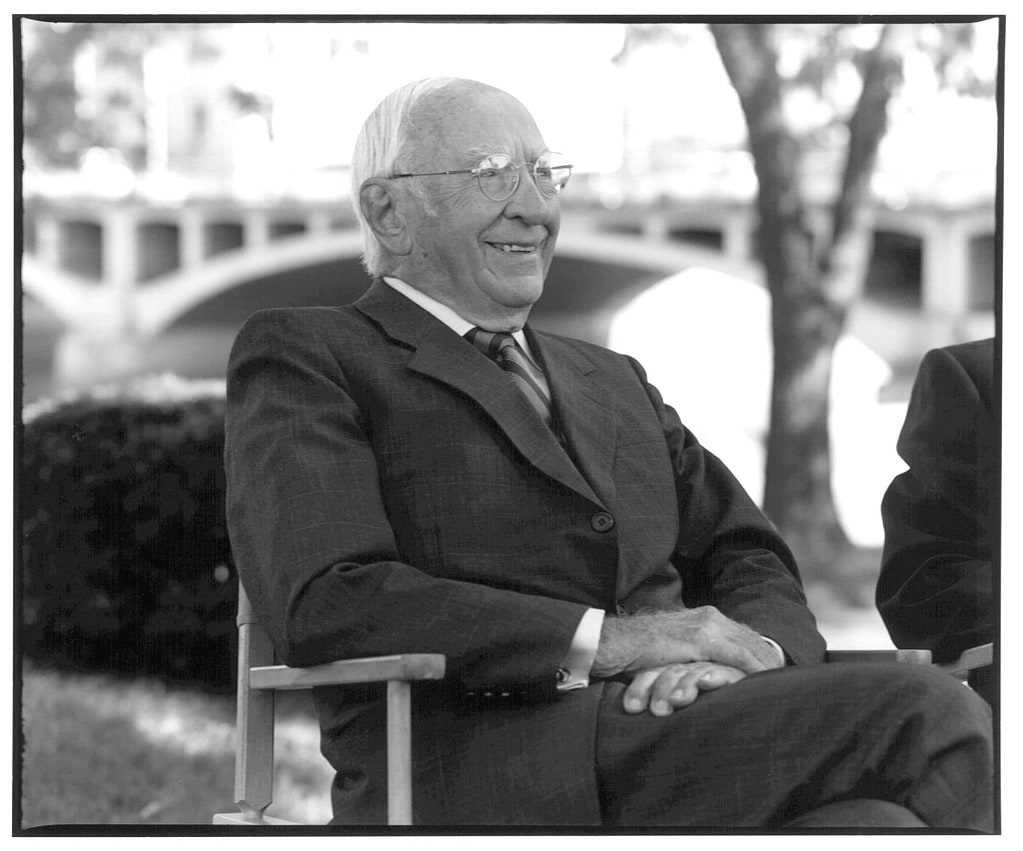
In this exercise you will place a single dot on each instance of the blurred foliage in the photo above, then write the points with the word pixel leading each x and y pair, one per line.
pixel 126 561
pixel 50 119
pixel 820 65
pixel 84 87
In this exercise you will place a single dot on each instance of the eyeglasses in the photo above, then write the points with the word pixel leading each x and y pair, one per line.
pixel 498 175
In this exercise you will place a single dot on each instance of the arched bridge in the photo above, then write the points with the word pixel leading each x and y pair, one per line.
pixel 117 274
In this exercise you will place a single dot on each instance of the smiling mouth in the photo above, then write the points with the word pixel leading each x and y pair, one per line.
pixel 512 247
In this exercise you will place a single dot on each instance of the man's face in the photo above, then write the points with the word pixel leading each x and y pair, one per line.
pixel 485 259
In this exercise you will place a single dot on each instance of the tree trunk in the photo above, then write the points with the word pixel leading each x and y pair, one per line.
pixel 811 285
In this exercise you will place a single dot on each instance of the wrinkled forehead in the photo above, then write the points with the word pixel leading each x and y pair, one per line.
pixel 461 121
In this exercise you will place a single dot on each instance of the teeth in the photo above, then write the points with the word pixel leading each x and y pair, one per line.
pixel 506 247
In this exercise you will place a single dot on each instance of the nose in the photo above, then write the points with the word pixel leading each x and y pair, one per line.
pixel 527 202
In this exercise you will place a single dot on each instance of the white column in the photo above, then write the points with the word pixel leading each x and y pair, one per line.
pixel 192 247
pixel 318 221
pixel 737 234
pixel 257 229
pixel 945 269
pixel 944 275
pixel 655 227
pixel 120 261
pixel 48 240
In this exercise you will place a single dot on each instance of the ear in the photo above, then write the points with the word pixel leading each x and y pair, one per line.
pixel 382 211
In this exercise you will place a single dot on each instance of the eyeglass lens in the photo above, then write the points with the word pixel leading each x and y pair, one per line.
pixel 499 176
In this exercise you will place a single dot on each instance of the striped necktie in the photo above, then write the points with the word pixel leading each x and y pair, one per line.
pixel 501 348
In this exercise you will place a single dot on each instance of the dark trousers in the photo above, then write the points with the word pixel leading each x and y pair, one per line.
pixel 777 745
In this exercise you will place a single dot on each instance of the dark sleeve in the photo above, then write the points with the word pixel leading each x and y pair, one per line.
pixel 729 555
pixel 313 543
pixel 934 590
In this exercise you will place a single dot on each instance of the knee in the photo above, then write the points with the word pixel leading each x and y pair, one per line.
pixel 888 689
pixel 933 693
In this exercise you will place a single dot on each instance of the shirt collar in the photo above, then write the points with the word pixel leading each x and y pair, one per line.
pixel 444 313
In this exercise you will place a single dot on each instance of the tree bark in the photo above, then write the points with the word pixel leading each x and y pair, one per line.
pixel 812 284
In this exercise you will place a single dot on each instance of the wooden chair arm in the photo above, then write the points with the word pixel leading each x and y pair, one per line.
pixel 252 819
pixel 257 684
pixel 407 667
pixel 907 657
pixel 398 672
pixel 971 658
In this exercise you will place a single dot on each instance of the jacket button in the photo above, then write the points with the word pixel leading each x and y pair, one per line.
pixel 620 609
pixel 602 521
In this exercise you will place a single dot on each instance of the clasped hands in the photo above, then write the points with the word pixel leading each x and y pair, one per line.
pixel 674 656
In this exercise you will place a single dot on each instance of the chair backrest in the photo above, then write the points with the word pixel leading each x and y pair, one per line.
pixel 253 773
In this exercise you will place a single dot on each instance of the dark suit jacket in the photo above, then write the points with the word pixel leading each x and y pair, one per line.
pixel 940 516
pixel 390 490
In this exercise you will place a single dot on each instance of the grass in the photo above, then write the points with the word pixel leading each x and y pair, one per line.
pixel 101 750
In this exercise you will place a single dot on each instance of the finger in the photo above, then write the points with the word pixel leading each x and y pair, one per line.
pixel 699 679
pixel 742 641
pixel 637 695
pixel 718 638
pixel 749 645
pixel 667 683
pixel 770 654
pixel 682 693
pixel 717 676
pixel 738 654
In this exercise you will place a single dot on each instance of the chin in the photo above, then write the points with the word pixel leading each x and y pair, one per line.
pixel 523 292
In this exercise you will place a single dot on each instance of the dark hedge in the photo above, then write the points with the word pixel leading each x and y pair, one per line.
pixel 126 561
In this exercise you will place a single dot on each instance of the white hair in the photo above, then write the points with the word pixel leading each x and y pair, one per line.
pixel 380 143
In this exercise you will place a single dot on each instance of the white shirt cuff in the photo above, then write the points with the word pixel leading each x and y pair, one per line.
pixel 574 671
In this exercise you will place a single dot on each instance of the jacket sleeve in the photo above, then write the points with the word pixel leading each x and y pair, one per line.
pixel 934 590
pixel 312 540
pixel 729 555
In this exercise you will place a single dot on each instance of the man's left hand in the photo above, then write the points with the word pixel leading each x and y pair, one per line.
pixel 664 689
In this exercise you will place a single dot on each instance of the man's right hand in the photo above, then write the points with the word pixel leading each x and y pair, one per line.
pixel 639 642
pixel 663 690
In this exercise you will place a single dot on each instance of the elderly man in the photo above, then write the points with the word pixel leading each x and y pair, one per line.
pixel 627 639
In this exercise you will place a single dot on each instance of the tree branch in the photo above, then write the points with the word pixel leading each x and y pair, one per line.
pixel 867 126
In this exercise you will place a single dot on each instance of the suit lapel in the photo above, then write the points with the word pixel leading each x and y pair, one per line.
pixel 583 403
pixel 440 353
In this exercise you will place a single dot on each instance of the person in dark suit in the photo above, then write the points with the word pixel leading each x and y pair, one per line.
pixel 627 639
pixel 941 515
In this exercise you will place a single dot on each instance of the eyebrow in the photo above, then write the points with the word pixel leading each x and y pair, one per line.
pixel 478 152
